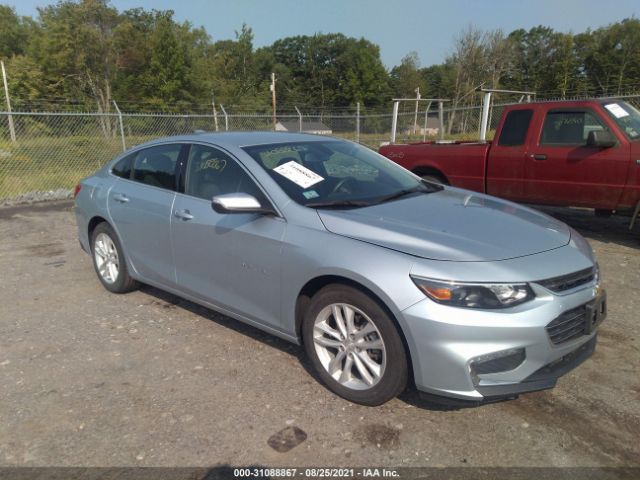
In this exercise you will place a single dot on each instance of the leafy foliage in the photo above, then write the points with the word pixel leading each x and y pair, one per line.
pixel 87 53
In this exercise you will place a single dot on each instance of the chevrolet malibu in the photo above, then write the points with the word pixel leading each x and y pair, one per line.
pixel 384 278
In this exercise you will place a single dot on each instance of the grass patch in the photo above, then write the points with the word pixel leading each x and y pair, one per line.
pixel 49 163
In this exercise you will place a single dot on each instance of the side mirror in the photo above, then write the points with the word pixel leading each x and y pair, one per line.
pixel 600 139
pixel 238 203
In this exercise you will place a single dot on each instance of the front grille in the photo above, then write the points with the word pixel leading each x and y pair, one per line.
pixel 569 325
pixel 567 282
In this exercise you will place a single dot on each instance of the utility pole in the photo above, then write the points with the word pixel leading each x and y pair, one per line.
pixel 272 87
pixel 12 129
pixel 415 117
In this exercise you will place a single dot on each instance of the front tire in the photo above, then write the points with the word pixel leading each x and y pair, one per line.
pixel 109 262
pixel 354 346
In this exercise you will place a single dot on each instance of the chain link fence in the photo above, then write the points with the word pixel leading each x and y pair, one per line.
pixel 44 154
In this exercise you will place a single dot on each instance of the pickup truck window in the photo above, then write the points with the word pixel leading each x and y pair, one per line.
pixel 569 127
pixel 626 116
pixel 514 130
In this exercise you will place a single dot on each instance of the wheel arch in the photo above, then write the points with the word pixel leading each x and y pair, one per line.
pixel 93 223
pixel 429 170
pixel 316 284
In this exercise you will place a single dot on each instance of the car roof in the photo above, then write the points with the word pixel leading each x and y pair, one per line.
pixel 241 139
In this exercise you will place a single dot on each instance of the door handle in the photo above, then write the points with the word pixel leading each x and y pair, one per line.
pixel 119 197
pixel 539 156
pixel 183 214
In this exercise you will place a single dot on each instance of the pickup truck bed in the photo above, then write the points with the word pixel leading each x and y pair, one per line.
pixel 465 161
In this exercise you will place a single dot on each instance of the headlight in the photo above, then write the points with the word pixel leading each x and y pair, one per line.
pixel 475 295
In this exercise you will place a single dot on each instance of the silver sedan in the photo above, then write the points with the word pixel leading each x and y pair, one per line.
pixel 385 279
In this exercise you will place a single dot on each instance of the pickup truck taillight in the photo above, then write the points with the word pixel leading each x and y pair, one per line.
pixel 76 190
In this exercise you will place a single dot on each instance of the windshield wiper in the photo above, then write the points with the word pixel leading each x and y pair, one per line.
pixel 338 204
pixel 402 193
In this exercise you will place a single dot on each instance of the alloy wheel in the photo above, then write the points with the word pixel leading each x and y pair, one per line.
pixel 349 346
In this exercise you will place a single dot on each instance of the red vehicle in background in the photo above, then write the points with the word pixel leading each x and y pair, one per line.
pixel 565 153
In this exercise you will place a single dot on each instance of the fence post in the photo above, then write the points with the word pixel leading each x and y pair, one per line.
pixel 394 121
pixel 124 144
pixel 12 128
pixel 441 119
pixel 215 113
pixel 300 119
pixel 226 117
pixel 426 122
pixel 358 122
pixel 484 121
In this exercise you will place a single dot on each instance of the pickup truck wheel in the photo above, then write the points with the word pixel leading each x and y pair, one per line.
pixel 435 179
pixel 603 213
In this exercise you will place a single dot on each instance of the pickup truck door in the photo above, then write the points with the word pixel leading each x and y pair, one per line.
pixel 507 155
pixel 562 170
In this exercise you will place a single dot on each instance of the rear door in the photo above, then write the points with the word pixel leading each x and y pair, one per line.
pixel 140 207
pixel 508 153
pixel 230 260
pixel 562 170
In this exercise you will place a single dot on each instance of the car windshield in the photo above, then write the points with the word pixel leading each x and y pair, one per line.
pixel 336 174
pixel 626 116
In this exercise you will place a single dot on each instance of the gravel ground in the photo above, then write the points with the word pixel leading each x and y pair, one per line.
pixel 88 378
pixel 35 197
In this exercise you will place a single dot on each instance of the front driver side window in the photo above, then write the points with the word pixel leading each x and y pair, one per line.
pixel 569 128
pixel 211 172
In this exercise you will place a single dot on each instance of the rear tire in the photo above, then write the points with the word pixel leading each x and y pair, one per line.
pixel 365 355
pixel 109 262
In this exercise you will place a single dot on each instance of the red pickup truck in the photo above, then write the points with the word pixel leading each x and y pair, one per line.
pixel 567 153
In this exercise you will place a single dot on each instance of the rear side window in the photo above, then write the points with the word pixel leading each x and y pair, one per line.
pixel 122 169
pixel 514 130
pixel 156 166
pixel 569 128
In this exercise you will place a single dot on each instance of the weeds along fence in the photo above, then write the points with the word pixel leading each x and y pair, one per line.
pixel 52 151
pixel 45 152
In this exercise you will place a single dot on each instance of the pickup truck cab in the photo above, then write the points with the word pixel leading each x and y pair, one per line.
pixel 567 153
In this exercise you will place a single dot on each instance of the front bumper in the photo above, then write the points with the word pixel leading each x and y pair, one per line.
pixel 446 344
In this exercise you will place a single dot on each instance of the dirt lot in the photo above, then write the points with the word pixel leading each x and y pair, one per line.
pixel 92 379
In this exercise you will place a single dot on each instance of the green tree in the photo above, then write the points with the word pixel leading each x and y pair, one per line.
pixel 75 49
pixel 610 56
pixel 406 77
pixel 15 32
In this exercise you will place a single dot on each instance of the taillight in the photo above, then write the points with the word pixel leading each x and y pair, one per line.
pixel 76 190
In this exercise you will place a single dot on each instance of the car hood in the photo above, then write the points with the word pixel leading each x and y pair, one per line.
pixel 452 225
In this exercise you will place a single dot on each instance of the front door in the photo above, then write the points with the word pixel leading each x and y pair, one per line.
pixel 230 260
pixel 562 170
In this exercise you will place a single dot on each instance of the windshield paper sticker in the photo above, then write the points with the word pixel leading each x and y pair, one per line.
pixel 298 174
pixel 617 110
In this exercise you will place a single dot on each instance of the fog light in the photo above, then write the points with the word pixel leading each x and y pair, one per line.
pixel 496 362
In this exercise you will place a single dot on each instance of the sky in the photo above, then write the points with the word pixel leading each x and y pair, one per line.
pixel 397 26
